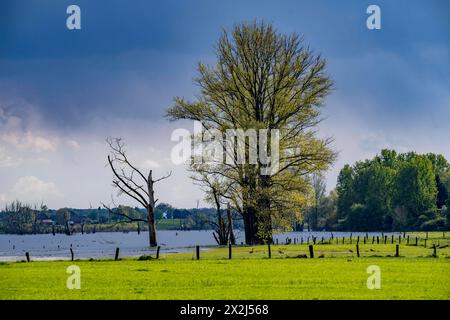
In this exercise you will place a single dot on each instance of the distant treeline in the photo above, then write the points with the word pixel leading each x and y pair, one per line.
pixel 392 191
pixel 20 218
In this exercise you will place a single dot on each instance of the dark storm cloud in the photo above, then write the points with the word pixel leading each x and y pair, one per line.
pixel 131 58
pixel 62 92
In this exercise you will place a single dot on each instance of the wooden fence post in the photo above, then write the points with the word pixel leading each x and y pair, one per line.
pixel 378 240
pixel 364 240
pixel 434 251
pixel 197 252
pixel 396 250
pixel 157 252
pixel 407 240
pixel 357 250
pixel 392 239
pixel 311 251
pixel 399 238
pixel 229 251
pixel 268 247
pixel 385 239
pixel 417 241
pixel 71 253
pixel 425 244
pixel 116 256
pixel 343 240
pixel 28 256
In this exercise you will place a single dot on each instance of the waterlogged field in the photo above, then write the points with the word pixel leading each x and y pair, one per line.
pixel 250 274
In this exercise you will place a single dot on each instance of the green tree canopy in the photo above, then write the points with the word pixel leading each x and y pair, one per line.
pixel 393 191
pixel 263 79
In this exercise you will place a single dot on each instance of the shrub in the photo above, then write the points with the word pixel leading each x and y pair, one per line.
pixel 435 224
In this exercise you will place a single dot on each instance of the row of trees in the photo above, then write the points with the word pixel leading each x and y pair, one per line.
pixel 392 191
pixel 22 218
pixel 19 218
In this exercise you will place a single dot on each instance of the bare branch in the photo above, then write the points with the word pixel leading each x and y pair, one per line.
pixel 164 177
pixel 122 214
pixel 131 191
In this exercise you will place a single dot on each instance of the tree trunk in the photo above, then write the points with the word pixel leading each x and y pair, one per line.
pixel 67 228
pixel 151 227
pixel 222 234
pixel 263 214
pixel 249 225
pixel 254 223
pixel 231 236
pixel 257 222
pixel 151 212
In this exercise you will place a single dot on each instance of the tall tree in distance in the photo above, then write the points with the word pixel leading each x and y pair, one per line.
pixel 131 181
pixel 63 216
pixel 319 189
pixel 264 80
pixel 415 189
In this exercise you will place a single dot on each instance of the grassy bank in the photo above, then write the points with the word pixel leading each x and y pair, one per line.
pixel 249 275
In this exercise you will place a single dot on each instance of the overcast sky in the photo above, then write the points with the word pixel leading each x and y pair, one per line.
pixel 63 92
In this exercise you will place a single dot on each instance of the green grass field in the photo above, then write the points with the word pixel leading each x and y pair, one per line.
pixel 340 274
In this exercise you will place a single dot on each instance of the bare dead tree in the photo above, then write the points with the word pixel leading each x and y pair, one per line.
pixel 231 237
pixel 131 181
pixel 215 194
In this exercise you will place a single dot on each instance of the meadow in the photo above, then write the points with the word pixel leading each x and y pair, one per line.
pixel 334 273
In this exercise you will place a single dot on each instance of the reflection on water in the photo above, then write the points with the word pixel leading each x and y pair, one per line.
pixel 103 244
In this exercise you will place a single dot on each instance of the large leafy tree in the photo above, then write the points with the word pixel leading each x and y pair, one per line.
pixel 263 79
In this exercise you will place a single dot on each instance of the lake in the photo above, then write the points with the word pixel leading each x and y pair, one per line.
pixel 103 244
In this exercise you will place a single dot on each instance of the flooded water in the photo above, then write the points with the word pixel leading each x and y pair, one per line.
pixel 104 244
